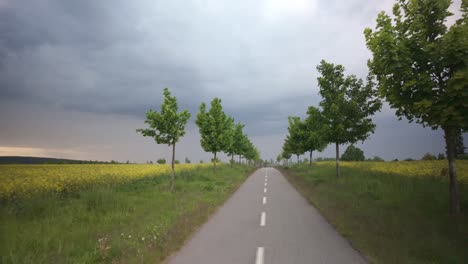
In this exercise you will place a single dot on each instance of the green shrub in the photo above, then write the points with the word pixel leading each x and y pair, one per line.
pixel 353 153
pixel 428 156
pixel 377 158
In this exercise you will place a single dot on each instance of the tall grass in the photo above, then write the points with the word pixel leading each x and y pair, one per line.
pixel 391 217
pixel 138 221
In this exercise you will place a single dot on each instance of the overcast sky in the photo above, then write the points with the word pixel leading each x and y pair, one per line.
pixel 76 77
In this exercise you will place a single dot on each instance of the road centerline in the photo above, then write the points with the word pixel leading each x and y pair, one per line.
pixel 264 190
pixel 263 219
pixel 259 256
pixel 264 200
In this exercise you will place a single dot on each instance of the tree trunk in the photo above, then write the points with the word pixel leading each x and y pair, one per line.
pixel 232 159
pixel 172 165
pixel 214 168
pixel 297 159
pixel 337 160
pixel 239 159
pixel 450 137
pixel 310 159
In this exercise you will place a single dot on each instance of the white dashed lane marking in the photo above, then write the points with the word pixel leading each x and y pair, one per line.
pixel 259 257
pixel 263 219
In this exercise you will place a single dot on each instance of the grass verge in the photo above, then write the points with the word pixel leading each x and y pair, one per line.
pixel 134 222
pixel 389 217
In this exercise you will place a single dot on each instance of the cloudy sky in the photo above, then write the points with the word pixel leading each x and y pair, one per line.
pixel 76 77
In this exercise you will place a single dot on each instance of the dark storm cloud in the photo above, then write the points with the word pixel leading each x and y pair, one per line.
pixel 85 56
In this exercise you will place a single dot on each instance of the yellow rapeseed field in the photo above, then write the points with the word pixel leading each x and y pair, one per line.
pixel 421 168
pixel 28 179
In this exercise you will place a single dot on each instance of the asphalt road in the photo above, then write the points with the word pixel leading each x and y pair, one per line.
pixel 266 221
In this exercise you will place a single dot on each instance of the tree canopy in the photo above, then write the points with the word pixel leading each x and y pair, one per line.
pixel 239 142
pixel 420 64
pixel 296 138
pixel 167 126
pixel 347 105
pixel 314 131
pixel 215 129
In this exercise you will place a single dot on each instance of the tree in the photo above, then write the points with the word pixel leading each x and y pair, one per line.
pixel 252 154
pixel 378 159
pixel 286 155
pixel 296 138
pixel 428 156
pixel 353 153
pixel 161 161
pixel 238 142
pixel 421 68
pixel 314 130
pixel 441 156
pixel 244 146
pixel 279 158
pixel 347 104
pixel 187 161
pixel 166 127
pixel 215 129
pixel 459 146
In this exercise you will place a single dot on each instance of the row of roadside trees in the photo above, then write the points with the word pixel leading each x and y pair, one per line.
pixel 218 131
pixel 418 66
pixel 344 116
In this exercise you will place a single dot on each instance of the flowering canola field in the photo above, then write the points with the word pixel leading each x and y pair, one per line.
pixel 423 168
pixel 21 180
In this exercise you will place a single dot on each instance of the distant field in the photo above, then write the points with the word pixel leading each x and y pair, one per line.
pixel 421 168
pixel 24 180
pixel 393 212
pixel 106 213
pixel 43 160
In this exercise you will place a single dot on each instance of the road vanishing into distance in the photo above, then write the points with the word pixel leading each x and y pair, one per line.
pixel 266 221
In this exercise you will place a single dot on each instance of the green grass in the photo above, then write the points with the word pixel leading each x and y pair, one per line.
pixel 135 222
pixel 389 217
